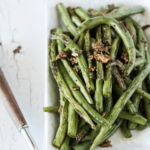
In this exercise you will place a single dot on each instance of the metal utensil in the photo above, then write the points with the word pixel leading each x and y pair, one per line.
pixel 14 111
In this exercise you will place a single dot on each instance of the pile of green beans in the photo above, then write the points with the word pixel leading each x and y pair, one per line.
pixel 103 72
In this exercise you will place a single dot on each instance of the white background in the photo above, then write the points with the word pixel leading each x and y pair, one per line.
pixel 22 22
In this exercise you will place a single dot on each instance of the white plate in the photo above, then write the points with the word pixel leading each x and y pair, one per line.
pixel 140 139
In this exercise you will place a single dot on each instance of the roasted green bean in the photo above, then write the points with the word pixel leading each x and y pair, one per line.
pixel 118 78
pixel 61 132
pixel 129 105
pixel 141 127
pixel 134 118
pixel 106 34
pixel 81 59
pixel 65 144
pixel 99 77
pixel 125 129
pixel 66 19
pixel 80 98
pixel 131 28
pixel 125 12
pixel 51 109
pixel 82 13
pixel 139 61
pixel 72 73
pixel 125 36
pixel 146 104
pixel 87 46
pixel 75 19
pixel 81 123
pixel 82 133
pixel 121 102
pixel 128 81
pixel 94 12
pixel 107 88
pixel 63 87
pixel 72 122
pixel 85 145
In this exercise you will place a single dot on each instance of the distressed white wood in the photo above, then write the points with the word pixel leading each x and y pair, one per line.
pixel 22 22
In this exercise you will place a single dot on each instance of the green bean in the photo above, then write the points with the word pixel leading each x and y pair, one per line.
pixel 118 63
pixel 101 9
pixel 99 65
pixel 81 13
pixel 129 105
pixel 141 37
pixel 66 19
pixel 61 132
pixel 121 102
pixel 141 127
pixel 125 129
pixel 75 19
pixel 75 77
pixel 135 101
pixel 72 122
pixel 74 40
pixel 92 134
pixel 107 88
pixel 118 78
pixel 128 81
pixel 138 54
pixel 128 42
pixel 94 12
pixel 146 104
pixel 148 88
pixel 106 34
pixel 81 59
pixel 113 34
pixel 63 86
pixel 131 28
pixel 143 46
pixel 92 40
pixel 108 104
pixel 65 144
pixel 81 123
pixel 98 97
pixel 107 108
pixel 147 57
pixel 80 98
pixel 139 61
pixel 125 12
pixel 112 131
pixel 134 118
pixel 88 53
pixel 145 27
pixel 81 40
pixel 51 109
pixel 85 145
pixel 82 133
pixel 100 77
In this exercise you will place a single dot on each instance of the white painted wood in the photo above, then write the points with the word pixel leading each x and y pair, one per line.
pixel 22 22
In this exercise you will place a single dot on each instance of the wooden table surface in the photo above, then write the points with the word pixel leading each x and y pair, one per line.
pixel 22 23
